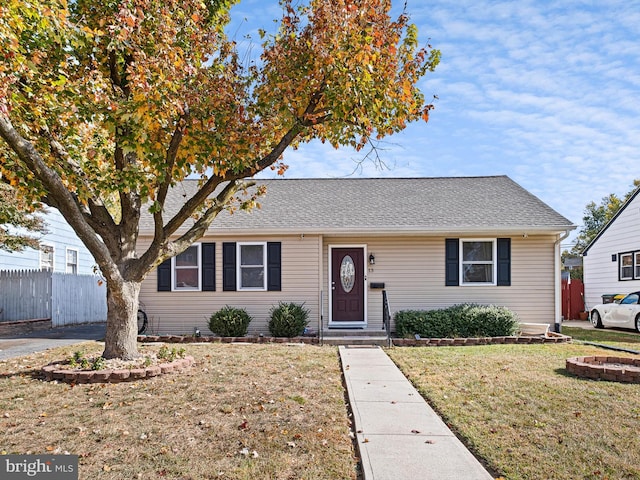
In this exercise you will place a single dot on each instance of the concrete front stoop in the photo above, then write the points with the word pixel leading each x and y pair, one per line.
pixel 355 337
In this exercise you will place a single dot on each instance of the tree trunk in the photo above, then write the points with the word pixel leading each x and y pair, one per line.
pixel 122 320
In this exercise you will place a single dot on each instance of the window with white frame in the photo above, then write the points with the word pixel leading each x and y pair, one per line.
pixel 46 257
pixel 478 262
pixel 252 261
pixel 186 269
pixel 628 265
pixel 72 261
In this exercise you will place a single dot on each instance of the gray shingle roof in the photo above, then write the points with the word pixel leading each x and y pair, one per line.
pixel 386 205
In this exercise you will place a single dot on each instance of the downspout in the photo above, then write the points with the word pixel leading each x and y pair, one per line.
pixel 558 281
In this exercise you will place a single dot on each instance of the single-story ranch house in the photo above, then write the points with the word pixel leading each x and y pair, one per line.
pixel 335 244
pixel 611 262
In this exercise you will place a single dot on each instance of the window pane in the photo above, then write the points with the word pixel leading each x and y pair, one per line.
pixel 46 257
pixel 252 277
pixel 187 278
pixel 477 251
pixel 477 273
pixel 637 265
pixel 188 258
pixel 626 266
pixel 251 254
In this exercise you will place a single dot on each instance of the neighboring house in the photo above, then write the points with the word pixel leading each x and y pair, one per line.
pixel 334 244
pixel 60 250
pixel 612 259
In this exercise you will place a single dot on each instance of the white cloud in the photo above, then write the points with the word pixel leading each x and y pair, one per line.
pixel 545 92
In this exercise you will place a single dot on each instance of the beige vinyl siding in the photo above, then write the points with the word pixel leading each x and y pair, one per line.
pixel 412 269
pixel 600 273
pixel 181 312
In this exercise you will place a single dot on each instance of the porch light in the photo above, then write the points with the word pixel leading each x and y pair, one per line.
pixel 372 259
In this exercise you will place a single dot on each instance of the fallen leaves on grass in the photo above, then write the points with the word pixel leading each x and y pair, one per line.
pixel 285 406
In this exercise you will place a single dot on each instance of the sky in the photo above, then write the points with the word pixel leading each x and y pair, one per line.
pixel 545 92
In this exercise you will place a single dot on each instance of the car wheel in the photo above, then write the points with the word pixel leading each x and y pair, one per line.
pixel 596 320
pixel 638 323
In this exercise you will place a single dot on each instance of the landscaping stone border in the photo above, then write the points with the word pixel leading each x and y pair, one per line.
pixel 192 339
pixel 449 342
pixel 398 342
pixel 54 372
pixel 613 369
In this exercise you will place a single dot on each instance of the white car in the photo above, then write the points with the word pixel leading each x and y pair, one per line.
pixel 625 314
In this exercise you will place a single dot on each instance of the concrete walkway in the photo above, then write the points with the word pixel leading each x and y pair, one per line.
pixel 399 435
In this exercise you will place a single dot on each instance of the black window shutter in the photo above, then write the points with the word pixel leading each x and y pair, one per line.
pixel 452 253
pixel 208 267
pixel 164 276
pixel 229 266
pixel 504 262
pixel 274 269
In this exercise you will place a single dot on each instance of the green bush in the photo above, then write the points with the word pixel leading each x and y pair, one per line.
pixel 465 320
pixel 288 320
pixel 230 322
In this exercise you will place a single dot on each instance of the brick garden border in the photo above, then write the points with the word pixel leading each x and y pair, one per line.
pixel 454 342
pixel 54 372
pixel 613 369
pixel 192 339
pixel 398 342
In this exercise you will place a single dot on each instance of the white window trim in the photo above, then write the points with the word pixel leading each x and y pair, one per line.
pixel 66 259
pixel 239 267
pixel 494 262
pixel 632 266
pixel 53 256
pixel 174 287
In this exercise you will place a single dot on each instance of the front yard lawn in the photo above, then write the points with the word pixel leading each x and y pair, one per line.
pixel 521 412
pixel 605 336
pixel 242 412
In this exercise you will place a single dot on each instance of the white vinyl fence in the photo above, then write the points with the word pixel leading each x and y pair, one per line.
pixel 65 298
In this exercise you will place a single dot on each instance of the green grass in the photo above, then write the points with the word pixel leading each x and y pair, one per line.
pixel 601 335
pixel 524 415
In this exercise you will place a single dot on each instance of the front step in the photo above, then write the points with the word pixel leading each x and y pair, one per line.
pixel 354 336
pixel 352 332
pixel 377 341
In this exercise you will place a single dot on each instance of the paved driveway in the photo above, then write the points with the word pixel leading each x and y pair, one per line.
pixel 25 344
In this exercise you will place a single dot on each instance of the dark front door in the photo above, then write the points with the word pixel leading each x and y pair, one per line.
pixel 347 285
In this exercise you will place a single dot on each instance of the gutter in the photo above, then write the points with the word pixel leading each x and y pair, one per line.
pixel 558 281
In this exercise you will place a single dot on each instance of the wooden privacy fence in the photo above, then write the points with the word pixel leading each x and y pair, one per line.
pixel 65 298
pixel 572 299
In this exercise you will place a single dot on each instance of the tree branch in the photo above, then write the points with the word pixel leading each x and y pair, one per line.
pixel 159 252
pixel 64 200
pixel 163 188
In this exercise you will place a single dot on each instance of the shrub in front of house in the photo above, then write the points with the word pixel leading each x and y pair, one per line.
pixel 288 320
pixel 465 320
pixel 230 322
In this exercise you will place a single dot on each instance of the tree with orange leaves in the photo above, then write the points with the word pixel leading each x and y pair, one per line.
pixel 104 106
